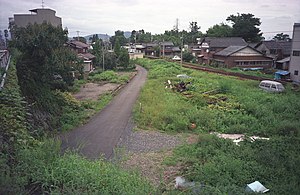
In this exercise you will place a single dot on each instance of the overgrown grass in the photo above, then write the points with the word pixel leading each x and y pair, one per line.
pixel 225 104
pixel 214 103
pixel 108 76
pixel 42 170
pixel 224 168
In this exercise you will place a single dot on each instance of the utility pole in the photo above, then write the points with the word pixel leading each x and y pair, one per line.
pixel 78 35
pixel 103 68
pixel 43 4
pixel 163 43
pixel 181 50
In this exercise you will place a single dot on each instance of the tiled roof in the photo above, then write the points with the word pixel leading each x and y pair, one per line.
pixel 78 44
pixel 87 56
pixel 224 41
pixel 285 46
pixel 230 50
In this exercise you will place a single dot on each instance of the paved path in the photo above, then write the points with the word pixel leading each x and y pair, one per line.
pixel 103 132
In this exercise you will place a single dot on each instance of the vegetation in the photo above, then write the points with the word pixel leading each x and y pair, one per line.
pixel 47 172
pixel 219 30
pixel 226 105
pixel 108 76
pixel 30 164
pixel 245 25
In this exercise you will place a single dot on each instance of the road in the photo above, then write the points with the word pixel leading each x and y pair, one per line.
pixel 103 132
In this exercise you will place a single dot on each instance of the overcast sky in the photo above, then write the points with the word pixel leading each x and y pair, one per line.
pixel 156 16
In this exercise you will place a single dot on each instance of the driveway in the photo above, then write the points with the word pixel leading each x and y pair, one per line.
pixel 103 132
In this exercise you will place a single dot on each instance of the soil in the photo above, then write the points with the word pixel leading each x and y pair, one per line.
pixel 92 91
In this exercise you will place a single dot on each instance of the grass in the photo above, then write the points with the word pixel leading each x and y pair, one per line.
pixel 108 76
pixel 214 103
pixel 224 104
pixel 47 172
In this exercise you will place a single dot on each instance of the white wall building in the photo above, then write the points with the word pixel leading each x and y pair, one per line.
pixel 294 68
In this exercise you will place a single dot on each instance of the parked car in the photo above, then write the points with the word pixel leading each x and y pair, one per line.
pixel 271 86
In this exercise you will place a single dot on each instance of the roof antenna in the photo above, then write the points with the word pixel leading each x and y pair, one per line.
pixel 43 4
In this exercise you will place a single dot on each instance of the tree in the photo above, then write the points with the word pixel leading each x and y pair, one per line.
pixel 117 47
pixel 194 28
pixel 97 50
pixel 187 56
pixel 123 59
pixel 219 30
pixel 281 37
pixel 44 56
pixel 120 36
pixel 245 25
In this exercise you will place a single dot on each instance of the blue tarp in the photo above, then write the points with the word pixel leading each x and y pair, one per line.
pixel 280 73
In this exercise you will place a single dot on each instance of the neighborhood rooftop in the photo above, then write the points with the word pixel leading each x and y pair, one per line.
pixel 224 41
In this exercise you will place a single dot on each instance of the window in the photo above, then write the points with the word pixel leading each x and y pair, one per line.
pixel 296 53
pixel 296 72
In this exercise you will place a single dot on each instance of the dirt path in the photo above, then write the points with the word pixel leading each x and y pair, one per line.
pixel 103 132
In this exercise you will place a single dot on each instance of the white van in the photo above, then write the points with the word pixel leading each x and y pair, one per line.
pixel 271 86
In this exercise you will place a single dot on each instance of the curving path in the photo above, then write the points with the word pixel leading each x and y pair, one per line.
pixel 103 132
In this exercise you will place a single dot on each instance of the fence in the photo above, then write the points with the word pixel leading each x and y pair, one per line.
pixel 4 64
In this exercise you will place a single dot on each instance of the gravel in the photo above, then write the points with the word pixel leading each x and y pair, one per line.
pixel 148 141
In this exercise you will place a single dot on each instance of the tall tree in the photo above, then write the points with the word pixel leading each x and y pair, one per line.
pixel 219 30
pixel 246 26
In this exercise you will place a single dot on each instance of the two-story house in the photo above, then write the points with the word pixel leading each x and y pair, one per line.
pixel 280 51
pixel 82 51
pixel 211 45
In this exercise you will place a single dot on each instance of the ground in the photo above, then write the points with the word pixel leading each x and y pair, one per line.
pixel 142 150
pixel 145 152
pixel 92 91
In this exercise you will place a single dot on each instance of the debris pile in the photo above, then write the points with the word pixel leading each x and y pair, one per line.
pixel 237 138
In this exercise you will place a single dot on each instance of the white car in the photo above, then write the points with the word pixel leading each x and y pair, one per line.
pixel 271 86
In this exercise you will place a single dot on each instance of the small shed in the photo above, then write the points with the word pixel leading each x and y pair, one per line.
pixel 256 187
pixel 282 75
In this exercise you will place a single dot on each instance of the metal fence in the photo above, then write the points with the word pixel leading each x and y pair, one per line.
pixel 5 61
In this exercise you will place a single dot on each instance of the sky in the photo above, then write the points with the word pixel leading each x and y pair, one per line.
pixel 156 16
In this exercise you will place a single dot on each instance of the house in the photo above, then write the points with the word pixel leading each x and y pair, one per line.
pixel 82 51
pixel 164 49
pixel 167 49
pixel 283 64
pixel 241 56
pixel 278 50
pixel 211 45
pixel 294 68
pixel 151 49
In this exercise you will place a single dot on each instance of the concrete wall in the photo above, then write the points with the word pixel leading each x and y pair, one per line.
pixel 41 15
pixel 295 60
